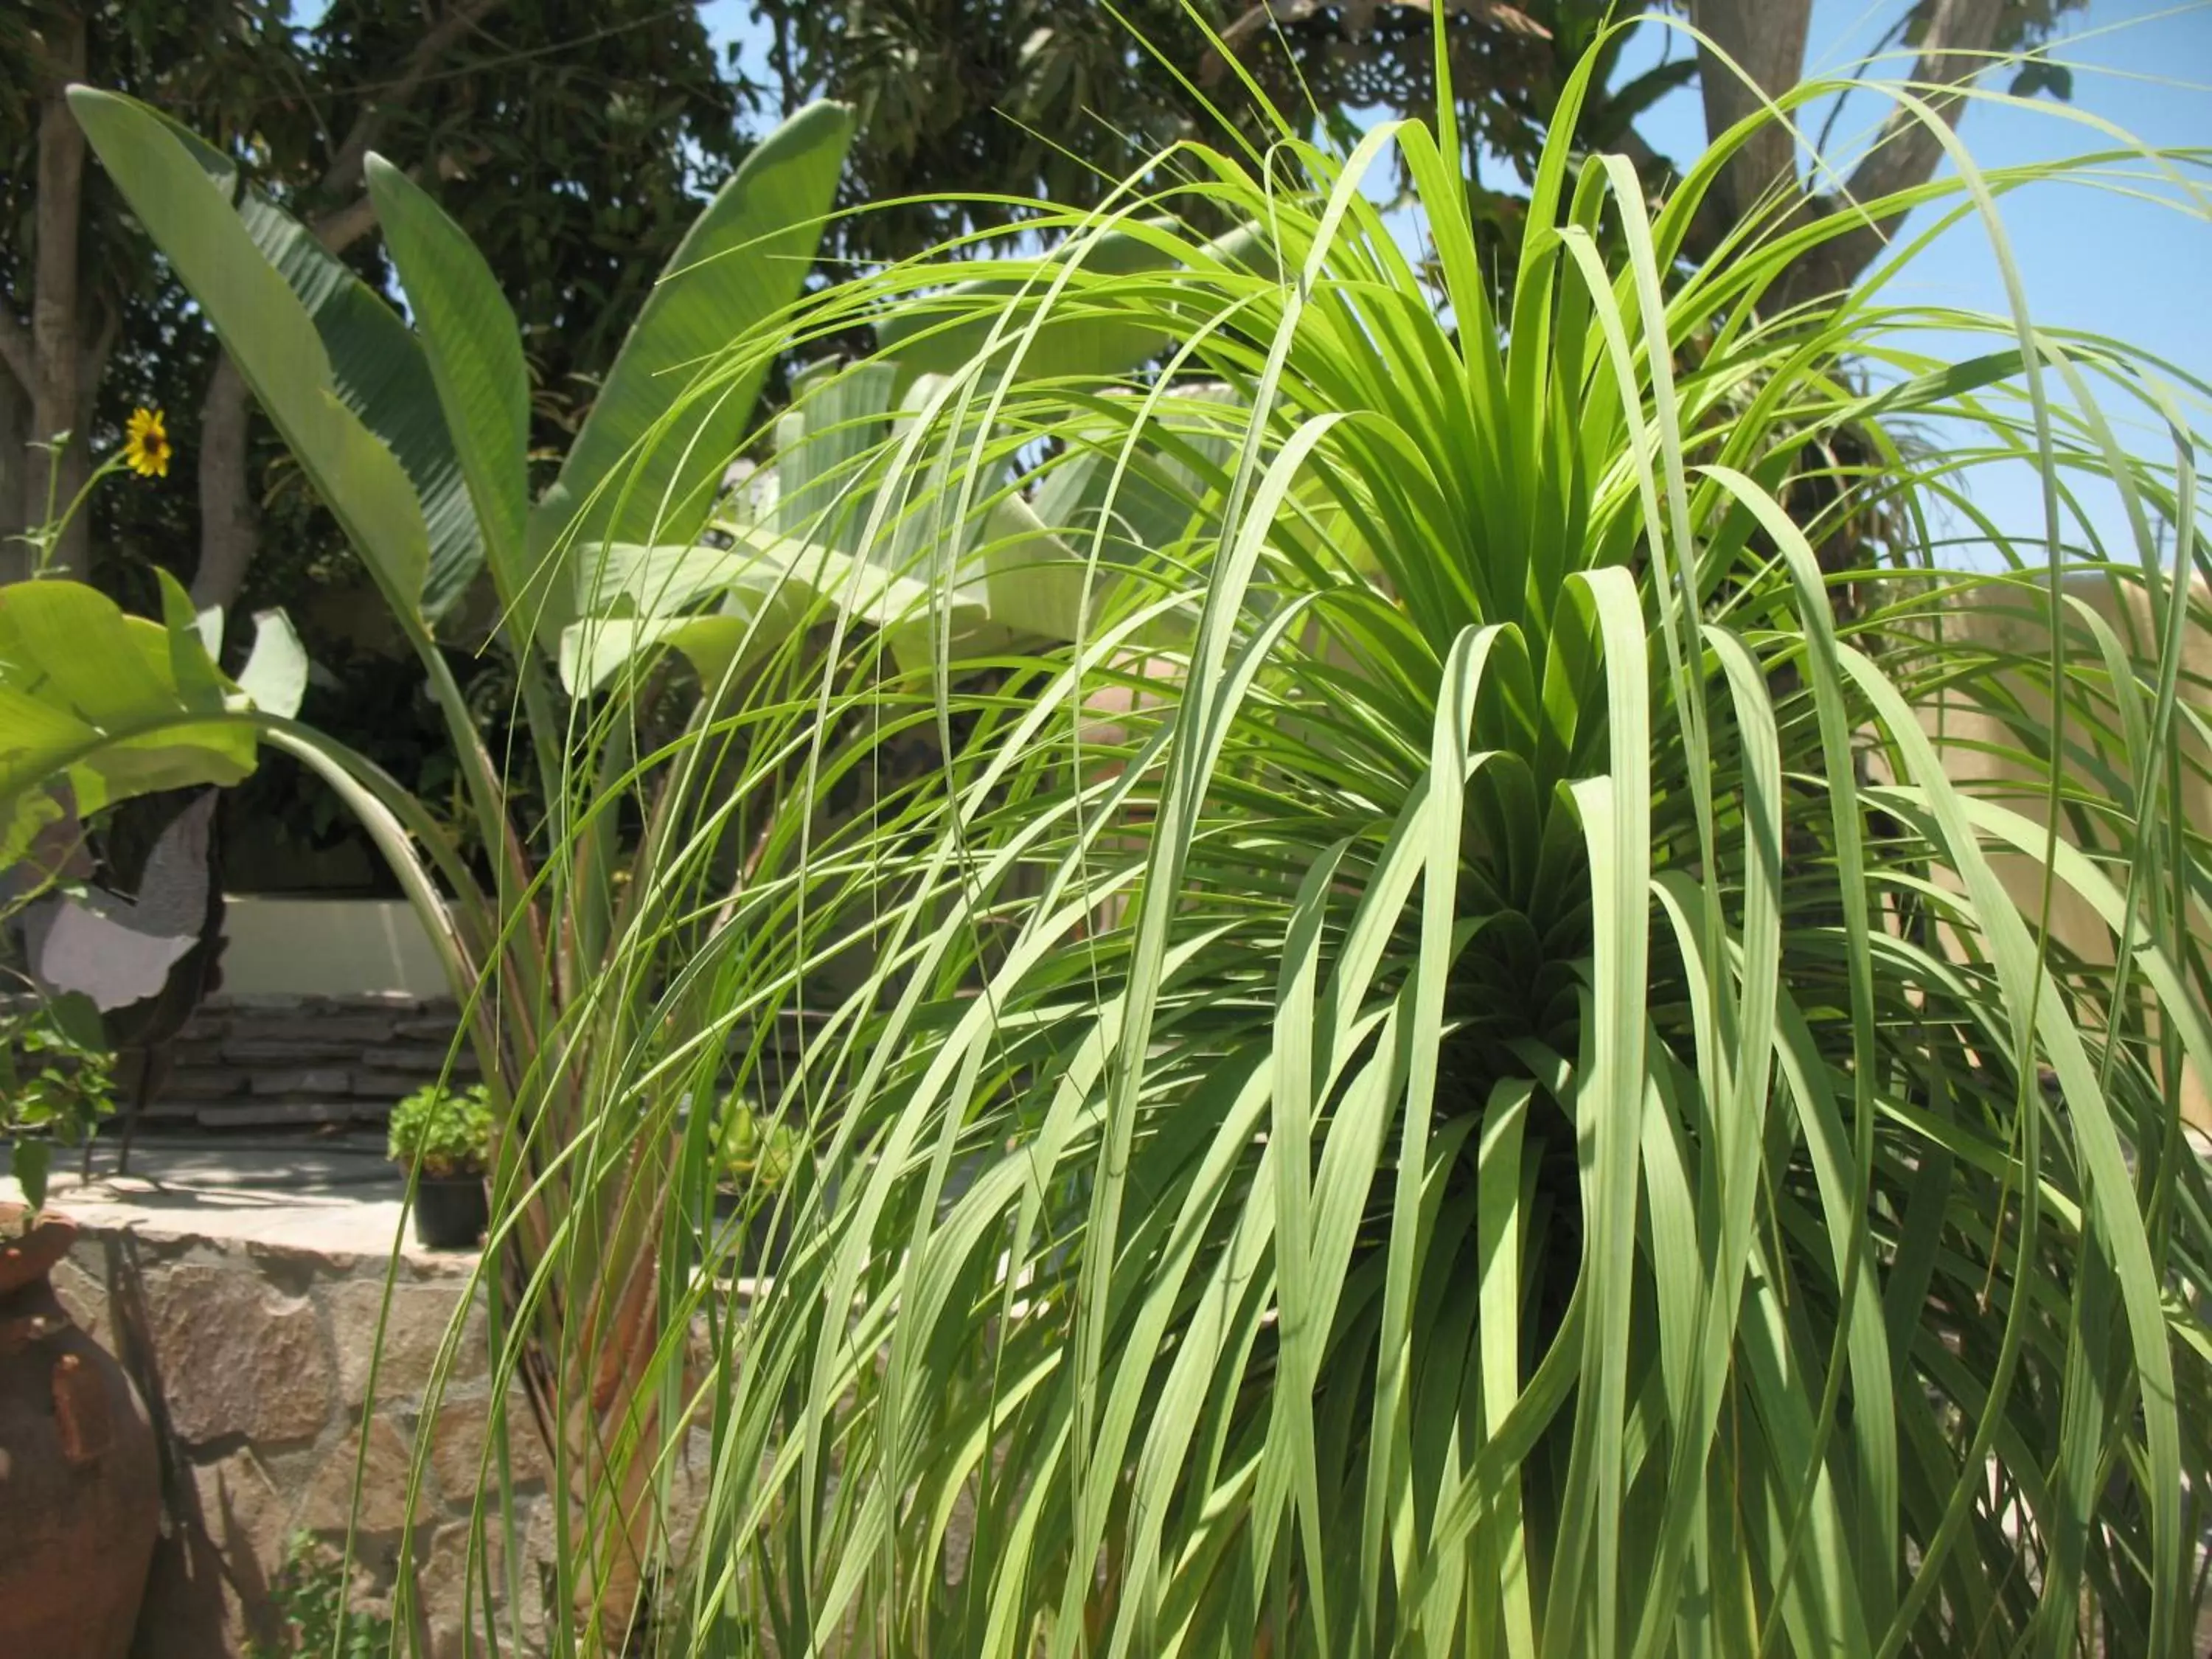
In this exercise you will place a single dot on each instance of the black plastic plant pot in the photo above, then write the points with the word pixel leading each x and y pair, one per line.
pixel 451 1212
pixel 762 1246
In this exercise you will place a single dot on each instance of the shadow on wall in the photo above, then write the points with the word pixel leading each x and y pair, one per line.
pixel 254 1361
pixel 184 1615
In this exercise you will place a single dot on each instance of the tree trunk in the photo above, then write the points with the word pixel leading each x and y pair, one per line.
pixel 1765 40
pixel 226 515
pixel 1952 51
pixel 14 431
pixel 58 401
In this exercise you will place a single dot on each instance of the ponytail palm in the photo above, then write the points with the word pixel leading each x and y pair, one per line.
pixel 1501 1101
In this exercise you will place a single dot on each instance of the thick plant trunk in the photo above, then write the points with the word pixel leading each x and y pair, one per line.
pixel 58 401
pixel 228 527
pixel 1754 51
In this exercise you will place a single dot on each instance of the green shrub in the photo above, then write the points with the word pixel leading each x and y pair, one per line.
pixel 309 1593
pixel 444 1132
pixel 1498 1106
pixel 56 1082
pixel 753 1152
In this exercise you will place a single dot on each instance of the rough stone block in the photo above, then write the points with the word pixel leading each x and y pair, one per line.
pixel 690 1481
pixel 413 1333
pixel 315 1082
pixel 457 1446
pixel 237 1358
pixel 227 1116
pixel 245 1514
pixel 450 1599
pixel 208 1083
pixel 418 1057
pixel 296 1050
pixel 83 1297
pixel 447 1600
pixel 380 1504
pixel 327 1026
pixel 370 1085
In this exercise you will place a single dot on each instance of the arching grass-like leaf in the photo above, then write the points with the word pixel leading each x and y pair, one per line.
pixel 1459 1065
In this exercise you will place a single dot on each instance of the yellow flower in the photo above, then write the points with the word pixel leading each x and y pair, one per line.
pixel 146 444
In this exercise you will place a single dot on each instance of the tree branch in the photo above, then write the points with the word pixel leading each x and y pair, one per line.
pixel 1361 16
pixel 341 228
pixel 1890 36
pixel 93 362
pixel 1266 15
pixel 1955 49
pixel 345 172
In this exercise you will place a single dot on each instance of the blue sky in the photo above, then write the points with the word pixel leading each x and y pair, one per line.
pixel 2089 258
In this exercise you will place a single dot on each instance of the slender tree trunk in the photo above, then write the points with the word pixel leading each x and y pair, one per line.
pixel 14 431
pixel 228 527
pixel 58 403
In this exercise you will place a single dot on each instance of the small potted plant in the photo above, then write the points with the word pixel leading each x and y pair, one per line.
pixel 754 1156
pixel 443 1136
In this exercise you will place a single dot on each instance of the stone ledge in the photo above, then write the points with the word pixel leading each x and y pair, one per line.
pixel 252 1357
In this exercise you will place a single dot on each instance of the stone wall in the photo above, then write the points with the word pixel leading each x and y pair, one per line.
pixel 257 1061
pixel 254 1362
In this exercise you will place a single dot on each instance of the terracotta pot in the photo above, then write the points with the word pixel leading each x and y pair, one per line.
pixel 80 1480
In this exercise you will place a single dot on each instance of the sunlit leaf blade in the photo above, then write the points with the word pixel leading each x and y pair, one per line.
pixel 274 339
pixel 650 459
pixel 111 705
pixel 474 352
pixel 275 673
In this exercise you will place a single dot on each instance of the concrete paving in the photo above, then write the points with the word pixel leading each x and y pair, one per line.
pixel 333 1195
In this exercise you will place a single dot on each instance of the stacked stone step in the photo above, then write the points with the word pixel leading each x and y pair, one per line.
pixel 257 1062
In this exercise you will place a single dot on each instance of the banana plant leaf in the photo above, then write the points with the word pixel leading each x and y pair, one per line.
pixel 108 706
pixel 473 348
pixel 343 377
pixel 770 587
pixel 649 462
